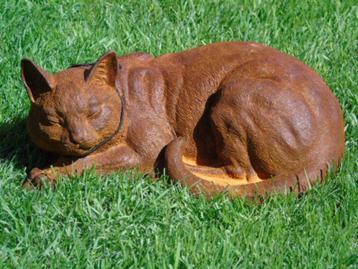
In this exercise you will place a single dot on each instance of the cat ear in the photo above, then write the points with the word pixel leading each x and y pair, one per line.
pixel 37 81
pixel 105 69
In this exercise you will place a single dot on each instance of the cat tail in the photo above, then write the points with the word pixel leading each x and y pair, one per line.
pixel 183 173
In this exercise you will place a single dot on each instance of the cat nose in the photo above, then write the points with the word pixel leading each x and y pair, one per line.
pixel 81 136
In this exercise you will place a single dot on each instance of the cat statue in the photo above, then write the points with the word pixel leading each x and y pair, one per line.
pixel 234 117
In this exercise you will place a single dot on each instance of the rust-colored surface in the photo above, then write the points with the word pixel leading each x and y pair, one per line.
pixel 235 116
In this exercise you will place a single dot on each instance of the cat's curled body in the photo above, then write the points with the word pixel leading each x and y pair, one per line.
pixel 234 116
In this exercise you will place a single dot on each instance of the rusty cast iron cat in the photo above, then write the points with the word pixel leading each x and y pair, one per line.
pixel 235 116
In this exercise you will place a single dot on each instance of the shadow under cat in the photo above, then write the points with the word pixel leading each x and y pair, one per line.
pixel 16 147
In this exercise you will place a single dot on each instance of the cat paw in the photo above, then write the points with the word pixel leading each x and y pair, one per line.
pixel 37 178
pixel 239 173
pixel 251 175
pixel 235 172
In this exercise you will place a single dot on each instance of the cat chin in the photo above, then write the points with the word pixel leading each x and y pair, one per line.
pixel 74 150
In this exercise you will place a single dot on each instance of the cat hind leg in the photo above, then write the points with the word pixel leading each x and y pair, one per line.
pixel 231 146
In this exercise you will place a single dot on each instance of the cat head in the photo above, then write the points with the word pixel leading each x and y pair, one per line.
pixel 74 110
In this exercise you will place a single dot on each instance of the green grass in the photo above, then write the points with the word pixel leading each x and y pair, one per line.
pixel 126 220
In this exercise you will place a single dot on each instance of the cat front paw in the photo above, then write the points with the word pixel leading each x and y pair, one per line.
pixel 37 178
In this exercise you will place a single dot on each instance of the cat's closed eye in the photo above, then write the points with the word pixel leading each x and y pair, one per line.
pixel 51 120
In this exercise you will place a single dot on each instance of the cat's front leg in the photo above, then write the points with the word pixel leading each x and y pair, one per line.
pixel 118 157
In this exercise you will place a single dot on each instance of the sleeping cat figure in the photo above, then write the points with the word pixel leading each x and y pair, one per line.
pixel 235 117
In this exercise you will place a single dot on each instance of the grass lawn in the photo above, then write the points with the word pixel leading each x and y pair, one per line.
pixel 126 220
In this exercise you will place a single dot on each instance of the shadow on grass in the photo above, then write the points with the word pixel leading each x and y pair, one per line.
pixel 16 147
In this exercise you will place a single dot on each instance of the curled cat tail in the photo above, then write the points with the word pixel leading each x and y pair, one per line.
pixel 213 181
